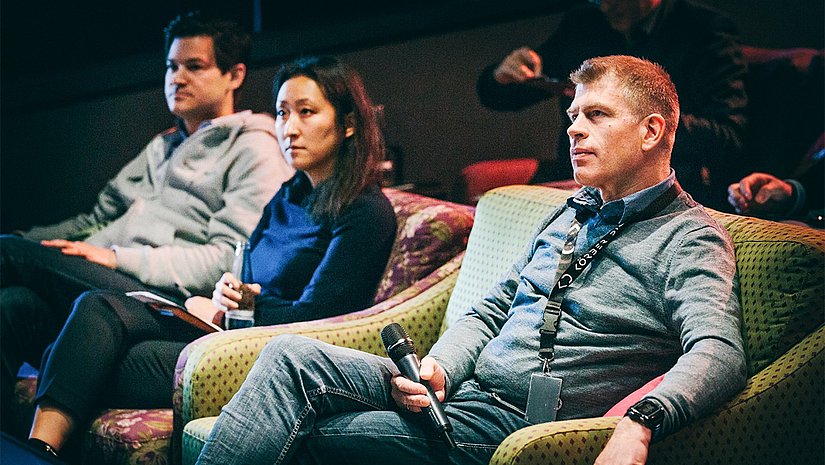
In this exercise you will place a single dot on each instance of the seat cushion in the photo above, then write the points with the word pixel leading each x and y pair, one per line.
pixel 194 437
pixel 116 436
pixel 126 436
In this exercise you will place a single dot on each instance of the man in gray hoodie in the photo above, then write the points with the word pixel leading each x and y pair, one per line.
pixel 170 218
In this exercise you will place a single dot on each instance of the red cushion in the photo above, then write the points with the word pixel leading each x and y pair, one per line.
pixel 482 176
pixel 619 409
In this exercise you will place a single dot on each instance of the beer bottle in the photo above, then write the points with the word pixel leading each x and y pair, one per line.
pixel 244 315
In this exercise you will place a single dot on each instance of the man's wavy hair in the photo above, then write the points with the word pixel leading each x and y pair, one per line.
pixel 357 163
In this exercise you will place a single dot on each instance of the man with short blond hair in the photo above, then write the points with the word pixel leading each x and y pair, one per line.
pixel 658 294
pixel 698 45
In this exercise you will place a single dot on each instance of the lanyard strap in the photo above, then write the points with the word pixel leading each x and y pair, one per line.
pixel 570 269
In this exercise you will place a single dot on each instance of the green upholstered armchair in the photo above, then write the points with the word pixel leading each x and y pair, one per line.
pixel 777 418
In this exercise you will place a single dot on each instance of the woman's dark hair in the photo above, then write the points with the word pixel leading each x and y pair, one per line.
pixel 357 163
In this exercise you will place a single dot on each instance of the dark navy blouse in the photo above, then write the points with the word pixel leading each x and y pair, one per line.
pixel 309 269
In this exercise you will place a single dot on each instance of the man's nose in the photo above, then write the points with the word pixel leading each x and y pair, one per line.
pixel 576 130
pixel 177 76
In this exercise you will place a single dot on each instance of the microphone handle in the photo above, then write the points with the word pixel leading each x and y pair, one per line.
pixel 438 417
pixel 408 366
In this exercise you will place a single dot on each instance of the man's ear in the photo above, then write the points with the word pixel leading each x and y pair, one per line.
pixel 652 130
pixel 349 125
pixel 237 73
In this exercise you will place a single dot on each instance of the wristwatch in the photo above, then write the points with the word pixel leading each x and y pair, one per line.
pixel 649 413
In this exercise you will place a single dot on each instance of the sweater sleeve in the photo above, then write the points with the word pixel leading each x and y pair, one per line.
pixel 702 291
pixel 348 274
pixel 250 182
pixel 112 202
pixel 514 97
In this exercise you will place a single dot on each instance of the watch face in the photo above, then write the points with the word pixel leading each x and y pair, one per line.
pixel 647 409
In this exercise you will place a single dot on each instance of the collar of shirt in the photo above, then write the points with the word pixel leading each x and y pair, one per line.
pixel 297 189
pixel 177 137
pixel 589 200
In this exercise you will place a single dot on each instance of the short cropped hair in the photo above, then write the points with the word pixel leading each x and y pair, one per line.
pixel 232 43
pixel 646 86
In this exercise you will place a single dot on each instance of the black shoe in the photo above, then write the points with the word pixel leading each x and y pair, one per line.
pixel 19 452
pixel 42 447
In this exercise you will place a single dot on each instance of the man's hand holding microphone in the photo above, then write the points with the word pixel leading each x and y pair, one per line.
pixel 421 385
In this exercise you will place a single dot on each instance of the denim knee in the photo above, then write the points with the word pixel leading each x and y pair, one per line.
pixel 291 346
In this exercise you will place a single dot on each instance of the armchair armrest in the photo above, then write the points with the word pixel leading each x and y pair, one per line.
pixel 778 418
pixel 563 442
pixel 211 369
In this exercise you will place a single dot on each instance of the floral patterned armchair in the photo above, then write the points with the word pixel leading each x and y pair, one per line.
pixel 777 418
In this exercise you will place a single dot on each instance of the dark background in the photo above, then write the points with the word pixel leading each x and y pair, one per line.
pixel 81 83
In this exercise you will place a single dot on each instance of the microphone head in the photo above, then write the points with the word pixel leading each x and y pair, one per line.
pixel 396 341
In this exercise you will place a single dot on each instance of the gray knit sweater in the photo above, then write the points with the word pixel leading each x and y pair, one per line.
pixel 662 297
pixel 174 228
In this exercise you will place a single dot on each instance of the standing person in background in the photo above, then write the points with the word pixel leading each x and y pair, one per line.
pixel 319 250
pixel 698 46
pixel 170 218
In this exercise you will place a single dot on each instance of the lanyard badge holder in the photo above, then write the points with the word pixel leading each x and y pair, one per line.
pixel 544 394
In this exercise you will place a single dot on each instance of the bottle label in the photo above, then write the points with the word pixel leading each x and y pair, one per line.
pixel 236 319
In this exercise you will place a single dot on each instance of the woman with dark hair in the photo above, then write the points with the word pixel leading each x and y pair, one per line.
pixel 319 250
pixel 326 126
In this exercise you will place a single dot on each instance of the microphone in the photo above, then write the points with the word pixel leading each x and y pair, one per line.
pixel 401 350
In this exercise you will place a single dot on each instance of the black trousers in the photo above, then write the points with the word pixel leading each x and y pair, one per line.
pixel 38 286
pixel 114 351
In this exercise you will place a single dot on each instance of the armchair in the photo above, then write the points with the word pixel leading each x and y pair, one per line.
pixel 432 235
pixel 504 222
pixel 777 418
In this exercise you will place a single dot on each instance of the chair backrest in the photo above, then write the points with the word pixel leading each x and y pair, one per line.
pixel 483 176
pixel 506 218
pixel 430 233
pixel 781 267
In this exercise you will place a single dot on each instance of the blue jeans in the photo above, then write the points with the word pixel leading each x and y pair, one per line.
pixel 310 402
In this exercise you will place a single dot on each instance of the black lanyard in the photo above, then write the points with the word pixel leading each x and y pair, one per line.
pixel 570 269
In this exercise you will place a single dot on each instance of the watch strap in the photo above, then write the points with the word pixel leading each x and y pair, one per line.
pixel 648 413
